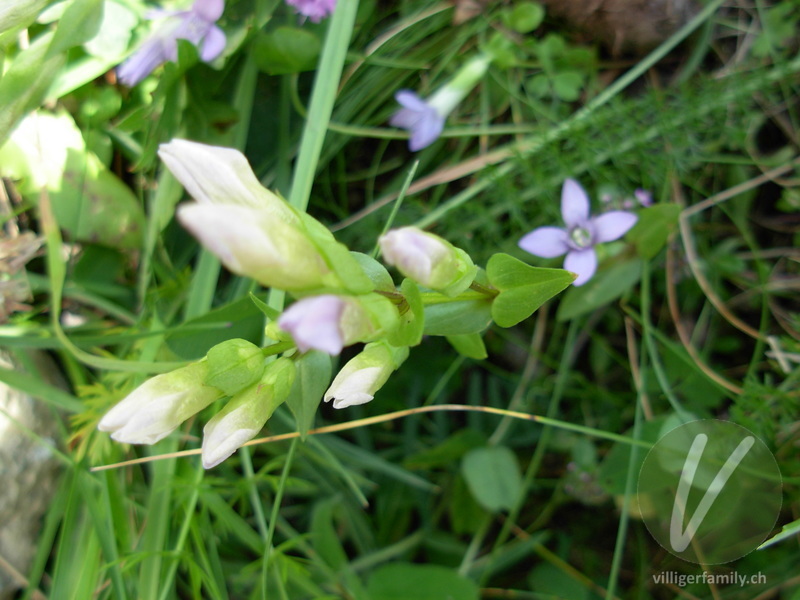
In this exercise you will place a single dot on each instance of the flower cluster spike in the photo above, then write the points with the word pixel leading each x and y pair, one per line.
pixel 341 298
pixel 196 25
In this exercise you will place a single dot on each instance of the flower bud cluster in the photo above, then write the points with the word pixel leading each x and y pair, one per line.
pixel 341 298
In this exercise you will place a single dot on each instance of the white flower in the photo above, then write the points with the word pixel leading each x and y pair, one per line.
pixel 155 409
pixel 365 374
pixel 428 259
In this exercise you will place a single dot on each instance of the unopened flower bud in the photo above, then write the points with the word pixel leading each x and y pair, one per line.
pixel 428 260
pixel 245 414
pixel 155 409
pixel 365 374
pixel 329 322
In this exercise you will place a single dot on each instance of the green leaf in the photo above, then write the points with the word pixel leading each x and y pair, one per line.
pixel 239 319
pixel 470 345
pixel 268 311
pixel 324 536
pixel 458 318
pixel 412 323
pixel 79 24
pixel 523 288
pixel 653 228
pixel 89 201
pixel 493 477
pixel 234 365
pixel 524 17
pixel 567 85
pixel 377 273
pixel 311 381
pixel 287 50
pixel 604 287
pixel 401 581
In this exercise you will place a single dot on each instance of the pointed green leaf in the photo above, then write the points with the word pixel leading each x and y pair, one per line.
pixel 604 287
pixel 470 345
pixel 523 288
pixel 653 228
pixel 458 318
pixel 310 382
pixel 381 280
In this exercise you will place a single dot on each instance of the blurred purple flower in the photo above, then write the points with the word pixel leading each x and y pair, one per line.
pixel 196 25
pixel 644 197
pixel 315 10
pixel 582 232
pixel 424 119
pixel 315 323
pixel 421 119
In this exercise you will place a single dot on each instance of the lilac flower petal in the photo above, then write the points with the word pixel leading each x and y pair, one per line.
pixel 142 62
pixel 410 100
pixel 547 242
pixel 574 204
pixel 314 323
pixel 582 262
pixel 422 120
pixel 213 44
pixel 209 10
pixel 315 10
pixel 426 132
pixel 612 225
pixel 644 197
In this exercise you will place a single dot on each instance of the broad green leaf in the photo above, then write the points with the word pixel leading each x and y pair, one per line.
pixel 409 333
pixel 523 288
pixel 239 319
pixel 458 318
pixel 377 273
pixel 310 382
pixel 653 228
pixel 604 287
pixel 524 17
pixel 89 201
pixel 493 477
pixel 470 345
pixel 287 50
pixel 403 581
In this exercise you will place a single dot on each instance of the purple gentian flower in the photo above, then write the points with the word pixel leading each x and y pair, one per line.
pixel 424 119
pixel 315 10
pixel 196 25
pixel 582 232
pixel 421 119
